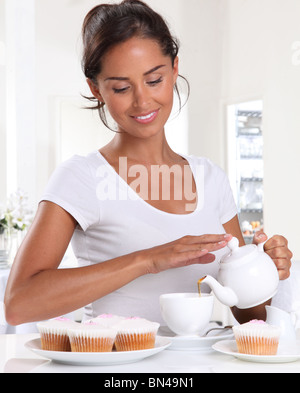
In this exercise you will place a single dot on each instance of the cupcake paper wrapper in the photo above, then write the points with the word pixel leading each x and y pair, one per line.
pixel 91 344
pixel 260 339
pixel 54 334
pixel 92 338
pixel 55 342
pixel 257 346
pixel 135 341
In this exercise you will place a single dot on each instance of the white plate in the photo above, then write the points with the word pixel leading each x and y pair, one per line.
pixel 97 358
pixel 285 355
pixel 193 343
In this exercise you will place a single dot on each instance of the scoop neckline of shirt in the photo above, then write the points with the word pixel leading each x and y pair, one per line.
pixel 100 156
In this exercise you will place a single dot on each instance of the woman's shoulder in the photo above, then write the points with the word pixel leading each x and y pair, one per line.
pixel 207 164
pixel 81 164
pixel 72 186
pixel 212 173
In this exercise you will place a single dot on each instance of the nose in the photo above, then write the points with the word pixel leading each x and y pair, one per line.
pixel 141 98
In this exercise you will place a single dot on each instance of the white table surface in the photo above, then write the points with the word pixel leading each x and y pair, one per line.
pixel 16 358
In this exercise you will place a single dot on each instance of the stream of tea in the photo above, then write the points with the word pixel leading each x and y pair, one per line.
pixel 199 285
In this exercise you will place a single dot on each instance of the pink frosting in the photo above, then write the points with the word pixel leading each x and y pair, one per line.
pixel 105 316
pixel 257 322
pixel 62 319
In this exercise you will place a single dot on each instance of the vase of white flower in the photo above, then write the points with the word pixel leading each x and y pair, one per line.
pixel 14 221
pixel 5 247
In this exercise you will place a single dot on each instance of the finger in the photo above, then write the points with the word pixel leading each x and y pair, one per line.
pixel 210 247
pixel 190 258
pixel 279 253
pixel 208 258
pixel 276 241
pixel 206 239
pixel 282 264
pixel 259 237
pixel 202 260
pixel 284 274
pixel 216 246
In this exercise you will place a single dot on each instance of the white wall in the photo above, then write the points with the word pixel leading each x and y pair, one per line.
pixel 258 62
pixel 202 64
pixel 20 96
pixel 2 104
pixel 231 50
pixel 58 74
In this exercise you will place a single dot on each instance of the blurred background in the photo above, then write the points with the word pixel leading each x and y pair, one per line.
pixel 242 60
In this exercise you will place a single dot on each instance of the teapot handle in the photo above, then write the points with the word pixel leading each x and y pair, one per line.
pixel 261 246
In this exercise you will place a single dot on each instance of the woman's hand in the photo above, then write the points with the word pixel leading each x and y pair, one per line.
pixel 186 251
pixel 277 249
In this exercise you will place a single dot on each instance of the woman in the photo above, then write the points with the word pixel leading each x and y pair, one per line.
pixel 143 220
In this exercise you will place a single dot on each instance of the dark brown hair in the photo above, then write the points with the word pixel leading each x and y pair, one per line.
pixel 107 25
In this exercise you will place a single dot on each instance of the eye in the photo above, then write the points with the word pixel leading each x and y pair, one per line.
pixel 120 91
pixel 156 82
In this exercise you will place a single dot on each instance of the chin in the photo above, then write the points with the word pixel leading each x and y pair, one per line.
pixel 142 131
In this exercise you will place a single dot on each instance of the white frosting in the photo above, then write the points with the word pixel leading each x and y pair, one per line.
pixel 56 326
pixel 94 331
pixel 105 325
pixel 256 329
pixel 137 325
pixel 105 320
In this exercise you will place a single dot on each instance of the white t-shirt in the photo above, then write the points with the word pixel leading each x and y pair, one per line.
pixel 114 221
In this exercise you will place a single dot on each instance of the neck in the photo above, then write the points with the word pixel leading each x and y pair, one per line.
pixel 154 150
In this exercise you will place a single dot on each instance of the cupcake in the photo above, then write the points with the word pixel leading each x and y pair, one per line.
pixel 91 338
pixel 54 336
pixel 135 334
pixel 257 338
pixel 105 320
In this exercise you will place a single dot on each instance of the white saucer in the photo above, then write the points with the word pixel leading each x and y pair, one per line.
pixel 193 343
pixel 285 355
pixel 98 358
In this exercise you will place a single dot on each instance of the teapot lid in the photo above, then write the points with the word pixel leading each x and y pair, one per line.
pixel 237 253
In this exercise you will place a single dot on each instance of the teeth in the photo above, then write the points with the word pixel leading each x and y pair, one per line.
pixel 145 117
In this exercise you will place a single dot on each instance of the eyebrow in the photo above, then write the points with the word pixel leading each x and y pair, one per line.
pixel 120 78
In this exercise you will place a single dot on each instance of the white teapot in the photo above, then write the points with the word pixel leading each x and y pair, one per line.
pixel 247 276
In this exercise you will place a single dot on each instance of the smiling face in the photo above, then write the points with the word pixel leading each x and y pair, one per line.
pixel 137 84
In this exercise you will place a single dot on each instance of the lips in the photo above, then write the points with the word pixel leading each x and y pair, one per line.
pixel 146 118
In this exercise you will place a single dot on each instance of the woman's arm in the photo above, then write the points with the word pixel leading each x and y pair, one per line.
pixel 38 290
pixel 277 248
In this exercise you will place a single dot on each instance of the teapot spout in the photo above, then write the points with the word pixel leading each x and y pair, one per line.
pixel 224 294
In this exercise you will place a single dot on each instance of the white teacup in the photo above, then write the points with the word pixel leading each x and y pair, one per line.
pixel 186 314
